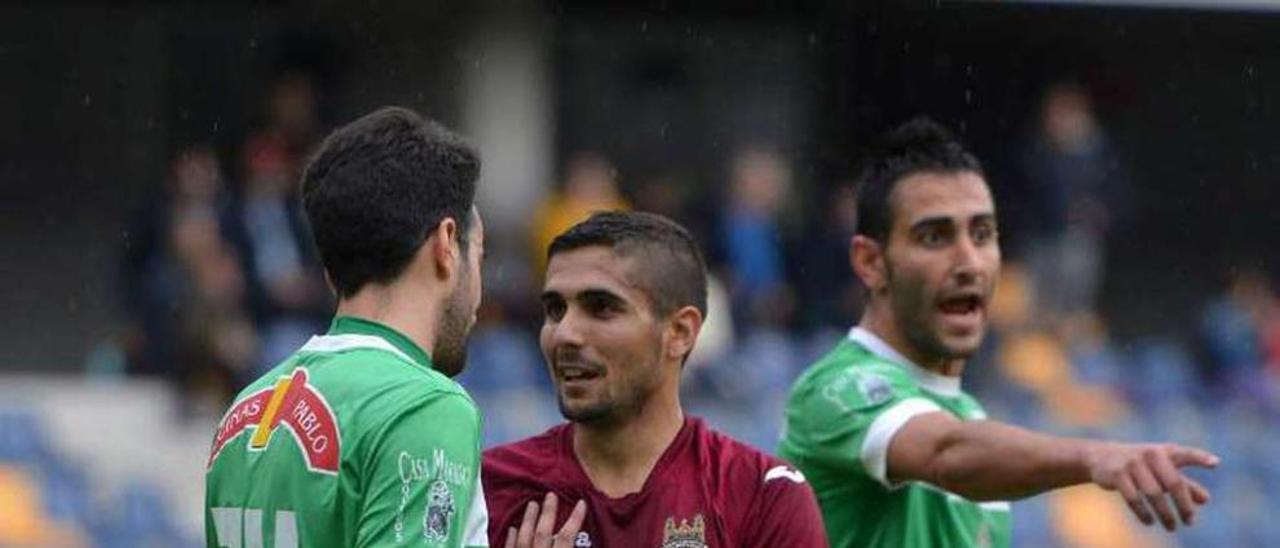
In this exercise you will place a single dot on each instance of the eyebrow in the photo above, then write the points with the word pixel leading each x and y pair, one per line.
pixel 589 293
pixel 944 220
pixel 929 222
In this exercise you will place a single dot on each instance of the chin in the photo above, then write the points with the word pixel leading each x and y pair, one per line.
pixel 585 413
pixel 963 347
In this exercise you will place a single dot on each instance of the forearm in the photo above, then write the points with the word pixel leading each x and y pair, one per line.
pixel 988 460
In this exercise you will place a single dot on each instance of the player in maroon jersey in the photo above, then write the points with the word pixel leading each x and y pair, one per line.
pixel 624 299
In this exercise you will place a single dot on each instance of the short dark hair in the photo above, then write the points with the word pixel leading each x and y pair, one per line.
pixel 672 271
pixel 376 189
pixel 917 146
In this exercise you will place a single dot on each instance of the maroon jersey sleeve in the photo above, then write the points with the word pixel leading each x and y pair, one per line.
pixel 769 502
pixel 786 513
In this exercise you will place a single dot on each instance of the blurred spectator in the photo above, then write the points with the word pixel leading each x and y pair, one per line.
pixel 664 195
pixel 184 290
pixel 1240 328
pixel 292 118
pixel 669 196
pixel 285 282
pixel 753 251
pixel 830 294
pixel 1077 190
pixel 590 184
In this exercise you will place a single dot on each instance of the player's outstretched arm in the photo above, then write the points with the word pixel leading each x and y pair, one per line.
pixel 536 528
pixel 988 460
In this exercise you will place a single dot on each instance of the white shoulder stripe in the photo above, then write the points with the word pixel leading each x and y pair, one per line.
pixel 339 343
pixel 875 445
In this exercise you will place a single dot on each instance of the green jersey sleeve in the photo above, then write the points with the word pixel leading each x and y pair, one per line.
pixel 847 419
pixel 422 474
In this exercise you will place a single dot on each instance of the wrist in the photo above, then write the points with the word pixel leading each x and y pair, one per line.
pixel 1089 455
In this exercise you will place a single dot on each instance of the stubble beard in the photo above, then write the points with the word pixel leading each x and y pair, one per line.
pixel 912 312
pixel 451 341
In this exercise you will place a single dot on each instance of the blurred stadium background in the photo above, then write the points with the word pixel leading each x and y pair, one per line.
pixel 152 259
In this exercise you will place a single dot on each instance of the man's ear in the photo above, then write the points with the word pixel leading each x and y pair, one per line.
pixel 866 255
pixel 328 282
pixel 682 332
pixel 446 254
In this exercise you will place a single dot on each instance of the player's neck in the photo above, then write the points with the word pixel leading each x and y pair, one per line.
pixel 400 307
pixel 619 457
pixel 881 325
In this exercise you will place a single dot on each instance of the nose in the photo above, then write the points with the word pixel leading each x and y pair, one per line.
pixel 967 261
pixel 567 331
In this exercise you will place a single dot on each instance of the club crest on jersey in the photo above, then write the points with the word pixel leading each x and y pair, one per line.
pixel 298 406
pixel 684 535
pixel 435 521
pixel 874 388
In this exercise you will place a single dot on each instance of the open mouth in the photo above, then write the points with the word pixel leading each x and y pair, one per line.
pixel 961 305
pixel 573 374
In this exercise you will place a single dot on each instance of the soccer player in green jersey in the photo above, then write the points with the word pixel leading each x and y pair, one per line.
pixel 897 453
pixel 361 437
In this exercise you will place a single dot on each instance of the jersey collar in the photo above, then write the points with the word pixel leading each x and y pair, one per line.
pixel 933 382
pixel 403 345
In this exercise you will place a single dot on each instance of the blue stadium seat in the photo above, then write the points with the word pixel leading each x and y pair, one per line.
pixel 22 439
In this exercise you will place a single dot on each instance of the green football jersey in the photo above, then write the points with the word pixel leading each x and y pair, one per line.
pixel 841 415
pixel 353 441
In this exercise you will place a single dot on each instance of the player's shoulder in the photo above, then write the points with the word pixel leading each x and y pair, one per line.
pixel 381 373
pixel 745 470
pixel 850 365
pixel 732 454
pixel 528 457
pixel 375 389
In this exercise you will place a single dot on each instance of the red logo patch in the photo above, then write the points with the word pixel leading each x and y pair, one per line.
pixel 299 407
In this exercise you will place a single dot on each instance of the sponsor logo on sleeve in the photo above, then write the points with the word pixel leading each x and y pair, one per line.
pixel 298 406
pixel 440 474
pixel 871 390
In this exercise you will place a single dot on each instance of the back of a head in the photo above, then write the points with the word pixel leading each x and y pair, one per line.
pixel 670 267
pixel 376 189
pixel 917 146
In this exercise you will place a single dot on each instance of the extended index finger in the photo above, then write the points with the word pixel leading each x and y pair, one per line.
pixel 1192 456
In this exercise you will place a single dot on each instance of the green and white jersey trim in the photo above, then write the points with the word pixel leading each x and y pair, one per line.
pixel 352 341
pixel 476 532
pixel 875 447
pixel 942 385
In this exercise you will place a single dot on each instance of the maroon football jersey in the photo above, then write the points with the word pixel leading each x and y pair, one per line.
pixel 707 490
